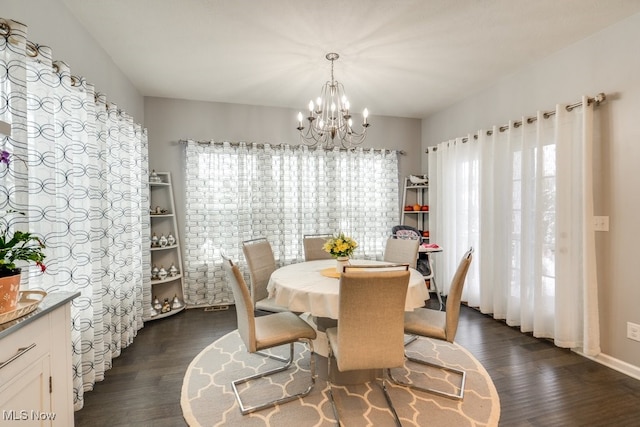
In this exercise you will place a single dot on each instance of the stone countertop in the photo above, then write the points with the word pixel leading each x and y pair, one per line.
pixel 48 304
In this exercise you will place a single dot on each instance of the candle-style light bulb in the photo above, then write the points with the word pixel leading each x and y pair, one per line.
pixel 365 114
pixel 300 119
pixel 310 107
pixel 333 107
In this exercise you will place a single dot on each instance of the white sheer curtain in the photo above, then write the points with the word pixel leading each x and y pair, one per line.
pixel 236 192
pixel 523 196
pixel 82 186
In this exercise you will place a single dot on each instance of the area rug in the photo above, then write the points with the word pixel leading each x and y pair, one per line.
pixel 207 397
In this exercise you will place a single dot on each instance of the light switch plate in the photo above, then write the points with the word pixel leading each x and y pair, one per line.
pixel 601 223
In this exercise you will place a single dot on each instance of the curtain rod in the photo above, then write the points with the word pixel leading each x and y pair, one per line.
pixel 598 99
pixel 261 145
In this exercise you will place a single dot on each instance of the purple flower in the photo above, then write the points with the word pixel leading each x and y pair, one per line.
pixel 4 157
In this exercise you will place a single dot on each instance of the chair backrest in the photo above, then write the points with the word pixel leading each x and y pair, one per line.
pixel 406 231
pixel 402 250
pixel 455 295
pixel 371 317
pixel 313 244
pixel 244 306
pixel 261 263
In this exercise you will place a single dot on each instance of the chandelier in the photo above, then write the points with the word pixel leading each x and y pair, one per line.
pixel 329 118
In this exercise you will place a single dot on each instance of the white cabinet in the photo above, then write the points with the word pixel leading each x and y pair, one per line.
pixel 166 256
pixel 27 397
pixel 35 366
pixel 415 204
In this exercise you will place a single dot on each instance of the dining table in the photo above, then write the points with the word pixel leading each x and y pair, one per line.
pixel 312 288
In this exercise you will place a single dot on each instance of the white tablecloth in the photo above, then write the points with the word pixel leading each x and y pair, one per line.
pixel 302 288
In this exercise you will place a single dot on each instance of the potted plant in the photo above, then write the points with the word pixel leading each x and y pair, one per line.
pixel 17 246
pixel 340 247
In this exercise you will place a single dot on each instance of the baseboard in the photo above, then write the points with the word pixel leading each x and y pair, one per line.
pixel 210 307
pixel 603 359
pixel 616 364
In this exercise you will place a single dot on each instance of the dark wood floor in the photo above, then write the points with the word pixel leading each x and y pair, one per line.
pixel 538 384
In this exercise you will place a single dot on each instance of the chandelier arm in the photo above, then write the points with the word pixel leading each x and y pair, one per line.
pixel 329 120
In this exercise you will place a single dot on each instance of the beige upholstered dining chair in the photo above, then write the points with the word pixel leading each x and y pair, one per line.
pixel 264 332
pixel 313 244
pixel 441 325
pixel 261 263
pixel 404 250
pixel 370 333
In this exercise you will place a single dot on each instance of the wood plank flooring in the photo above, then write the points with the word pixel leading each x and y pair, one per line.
pixel 538 383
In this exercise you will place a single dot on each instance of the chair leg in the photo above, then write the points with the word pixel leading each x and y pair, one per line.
pixel 383 386
pixel 435 286
pixel 336 415
pixel 411 339
pixel 455 396
pixel 389 402
pixel 276 357
pixel 432 280
pixel 248 409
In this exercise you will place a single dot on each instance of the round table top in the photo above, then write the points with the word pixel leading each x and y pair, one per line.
pixel 303 288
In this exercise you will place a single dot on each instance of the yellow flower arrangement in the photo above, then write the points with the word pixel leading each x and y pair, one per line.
pixel 340 246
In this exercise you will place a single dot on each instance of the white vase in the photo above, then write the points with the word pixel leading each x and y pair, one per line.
pixel 173 271
pixel 157 305
pixel 162 273
pixel 176 303
pixel 341 261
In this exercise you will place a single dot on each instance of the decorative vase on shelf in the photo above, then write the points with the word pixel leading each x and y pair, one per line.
pixel 341 261
pixel 154 177
pixel 154 240
pixel 166 306
pixel 162 273
pixel 162 241
pixel 154 272
pixel 171 240
pixel 9 290
pixel 157 305
pixel 176 303
pixel 173 271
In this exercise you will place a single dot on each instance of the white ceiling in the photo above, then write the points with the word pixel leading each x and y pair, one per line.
pixel 405 58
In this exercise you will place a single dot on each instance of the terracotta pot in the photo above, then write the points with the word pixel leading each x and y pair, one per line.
pixel 9 287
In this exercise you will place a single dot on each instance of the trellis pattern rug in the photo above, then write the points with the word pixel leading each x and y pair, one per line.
pixel 208 400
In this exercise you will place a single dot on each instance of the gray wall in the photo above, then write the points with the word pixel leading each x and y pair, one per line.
pixel 170 120
pixel 605 62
